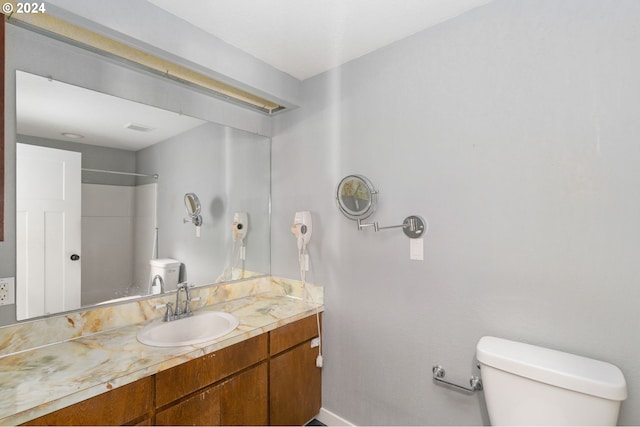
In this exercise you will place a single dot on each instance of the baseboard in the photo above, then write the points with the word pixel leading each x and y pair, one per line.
pixel 328 418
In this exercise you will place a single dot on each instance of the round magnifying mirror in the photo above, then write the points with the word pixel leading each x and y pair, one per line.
pixel 356 197
pixel 192 203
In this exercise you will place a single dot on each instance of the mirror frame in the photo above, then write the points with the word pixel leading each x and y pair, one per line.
pixel 192 203
pixel 2 128
pixel 373 198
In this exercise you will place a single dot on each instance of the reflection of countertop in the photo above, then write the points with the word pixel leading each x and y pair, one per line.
pixel 41 380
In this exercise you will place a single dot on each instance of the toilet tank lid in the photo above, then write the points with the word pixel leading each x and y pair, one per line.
pixel 164 262
pixel 553 367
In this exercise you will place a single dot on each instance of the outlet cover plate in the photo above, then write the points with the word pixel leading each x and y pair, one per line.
pixel 7 291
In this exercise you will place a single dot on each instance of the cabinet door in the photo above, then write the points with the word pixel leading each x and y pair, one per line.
pixel 123 405
pixel 243 398
pixel 295 386
pixel 201 409
pixel 196 374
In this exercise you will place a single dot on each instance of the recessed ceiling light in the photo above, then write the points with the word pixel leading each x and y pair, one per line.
pixel 72 135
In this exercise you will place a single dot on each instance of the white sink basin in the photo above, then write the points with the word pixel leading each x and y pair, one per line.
pixel 202 326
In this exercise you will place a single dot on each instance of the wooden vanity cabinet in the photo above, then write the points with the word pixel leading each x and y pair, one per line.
pixel 129 404
pixel 227 387
pixel 295 387
pixel 268 379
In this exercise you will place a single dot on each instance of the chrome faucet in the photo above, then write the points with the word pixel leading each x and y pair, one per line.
pixel 157 277
pixel 183 310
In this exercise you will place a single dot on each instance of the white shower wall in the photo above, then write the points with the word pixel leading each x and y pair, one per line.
pixel 114 218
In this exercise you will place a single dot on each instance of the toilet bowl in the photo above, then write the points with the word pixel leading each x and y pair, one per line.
pixel 529 385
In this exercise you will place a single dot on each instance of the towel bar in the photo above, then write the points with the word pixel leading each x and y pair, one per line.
pixel 475 382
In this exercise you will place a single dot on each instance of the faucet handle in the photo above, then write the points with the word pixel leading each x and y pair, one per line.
pixel 168 315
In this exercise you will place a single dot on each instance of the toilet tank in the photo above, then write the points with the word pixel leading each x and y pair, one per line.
pixel 529 385
pixel 168 269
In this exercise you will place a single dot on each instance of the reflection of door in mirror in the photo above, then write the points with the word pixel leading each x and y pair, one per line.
pixel 47 230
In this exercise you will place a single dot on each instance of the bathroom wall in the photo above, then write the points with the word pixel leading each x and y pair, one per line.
pixel 228 170
pixel 514 129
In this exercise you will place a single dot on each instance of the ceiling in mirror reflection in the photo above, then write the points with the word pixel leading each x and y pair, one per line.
pixel 49 109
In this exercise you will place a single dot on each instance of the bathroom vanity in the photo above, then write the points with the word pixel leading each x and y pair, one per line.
pixel 263 373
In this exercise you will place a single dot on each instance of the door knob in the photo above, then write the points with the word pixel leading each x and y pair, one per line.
pixel 75 257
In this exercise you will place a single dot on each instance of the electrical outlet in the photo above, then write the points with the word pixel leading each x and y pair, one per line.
pixel 6 291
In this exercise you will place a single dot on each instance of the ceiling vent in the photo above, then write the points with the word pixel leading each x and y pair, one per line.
pixel 138 127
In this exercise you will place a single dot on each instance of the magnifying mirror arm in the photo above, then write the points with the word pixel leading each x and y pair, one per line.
pixel 413 226
pixel 376 227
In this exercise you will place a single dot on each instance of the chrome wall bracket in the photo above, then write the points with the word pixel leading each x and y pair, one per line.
pixel 475 383
pixel 413 226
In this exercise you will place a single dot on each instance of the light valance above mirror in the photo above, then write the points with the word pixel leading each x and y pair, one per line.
pixel 52 26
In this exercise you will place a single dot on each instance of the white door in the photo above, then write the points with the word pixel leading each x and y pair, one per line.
pixel 48 230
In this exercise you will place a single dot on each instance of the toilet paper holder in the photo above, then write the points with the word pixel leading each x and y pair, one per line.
pixel 475 382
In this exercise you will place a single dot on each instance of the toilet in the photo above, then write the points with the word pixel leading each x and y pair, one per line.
pixel 529 385
pixel 168 269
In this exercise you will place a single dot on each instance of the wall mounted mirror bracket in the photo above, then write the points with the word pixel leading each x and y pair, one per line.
pixel 413 226
pixel 357 199
pixel 192 204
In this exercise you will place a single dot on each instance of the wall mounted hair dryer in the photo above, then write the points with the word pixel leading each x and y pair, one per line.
pixel 301 228
pixel 238 255
pixel 240 225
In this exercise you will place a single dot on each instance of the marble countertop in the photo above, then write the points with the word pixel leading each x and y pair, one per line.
pixel 41 380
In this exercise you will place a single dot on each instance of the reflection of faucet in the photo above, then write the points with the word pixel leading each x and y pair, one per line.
pixel 180 312
pixel 159 277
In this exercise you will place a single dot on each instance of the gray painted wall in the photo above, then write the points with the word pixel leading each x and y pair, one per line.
pixel 228 169
pixel 513 129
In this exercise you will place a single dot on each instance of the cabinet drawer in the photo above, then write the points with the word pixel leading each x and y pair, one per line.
pixel 116 407
pixel 294 333
pixel 198 373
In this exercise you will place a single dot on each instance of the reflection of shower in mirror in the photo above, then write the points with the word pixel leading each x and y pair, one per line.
pixel 238 255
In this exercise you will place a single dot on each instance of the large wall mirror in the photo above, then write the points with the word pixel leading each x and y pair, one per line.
pixel 100 189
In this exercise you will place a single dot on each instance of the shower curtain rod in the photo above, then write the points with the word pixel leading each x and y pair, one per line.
pixel 154 176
